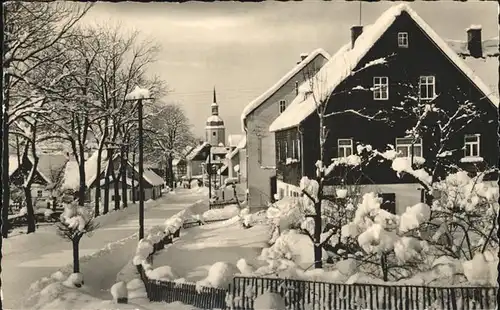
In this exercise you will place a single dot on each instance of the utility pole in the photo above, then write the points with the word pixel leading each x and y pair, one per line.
pixel 209 171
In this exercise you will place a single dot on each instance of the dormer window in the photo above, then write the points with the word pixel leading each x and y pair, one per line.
pixel 427 87
pixel 403 39
pixel 282 106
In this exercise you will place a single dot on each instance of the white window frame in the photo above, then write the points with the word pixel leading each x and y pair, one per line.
pixel 380 88
pixel 403 39
pixel 468 145
pixel 408 146
pixel 298 149
pixel 427 81
pixel 294 155
pixel 282 106
pixel 341 153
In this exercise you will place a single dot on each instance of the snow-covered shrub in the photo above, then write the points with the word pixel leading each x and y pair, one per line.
pixel 244 267
pixel 482 269
pixel 220 275
pixel 287 213
pixel 136 289
pixel 163 273
pixel 119 292
pixel 269 301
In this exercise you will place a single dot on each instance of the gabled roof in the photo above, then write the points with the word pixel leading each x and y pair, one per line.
pixel 152 178
pixel 273 89
pixel 196 150
pixel 340 66
pixel 71 179
pixel 489 47
pixel 50 166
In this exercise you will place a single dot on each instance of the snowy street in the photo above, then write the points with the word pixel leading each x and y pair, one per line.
pixel 31 257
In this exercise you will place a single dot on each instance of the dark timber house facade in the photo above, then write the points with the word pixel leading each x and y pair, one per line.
pixel 418 63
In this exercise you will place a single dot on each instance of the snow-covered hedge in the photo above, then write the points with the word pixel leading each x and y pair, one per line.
pixel 219 275
pixel 218 214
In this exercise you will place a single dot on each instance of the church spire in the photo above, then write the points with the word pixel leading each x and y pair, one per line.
pixel 215 97
pixel 215 106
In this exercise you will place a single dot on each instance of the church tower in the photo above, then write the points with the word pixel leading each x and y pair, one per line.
pixel 215 131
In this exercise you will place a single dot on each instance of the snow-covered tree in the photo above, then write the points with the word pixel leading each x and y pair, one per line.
pixel 317 86
pixel 169 132
pixel 75 222
pixel 30 29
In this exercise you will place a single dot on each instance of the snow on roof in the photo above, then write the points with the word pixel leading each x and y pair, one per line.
pixel 175 161
pixel 232 153
pixel 50 166
pixel 152 178
pixel 196 150
pixel 233 140
pixel 341 65
pixel 268 93
pixel 243 143
pixel 71 179
pixel 487 70
pixel 475 27
pixel 219 150
pixel 13 164
pixel 489 47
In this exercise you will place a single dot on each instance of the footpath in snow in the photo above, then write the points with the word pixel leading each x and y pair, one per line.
pixel 198 248
pixel 28 258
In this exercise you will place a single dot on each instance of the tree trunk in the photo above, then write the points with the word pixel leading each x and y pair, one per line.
pixel 30 215
pixel 106 184
pixel 170 171
pixel 317 204
pixel 123 172
pixel 116 191
pixel 76 255
pixel 5 165
pixel 83 184
pixel 97 201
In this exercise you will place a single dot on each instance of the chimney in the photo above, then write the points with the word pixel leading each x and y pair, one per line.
pixel 474 41
pixel 303 56
pixel 356 31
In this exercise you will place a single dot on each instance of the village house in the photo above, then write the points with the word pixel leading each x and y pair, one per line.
pixel 47 176
pixel 414 57
pixel 236 161
pixel 256 118
pixel 195 161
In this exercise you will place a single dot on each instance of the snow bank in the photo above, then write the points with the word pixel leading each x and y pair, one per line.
pixel 119 290
pixel 136 289
pixel 482 269
pixel 163 273
pixel 218 214
pixel 74 280
pixel 220 275
pixel 269 301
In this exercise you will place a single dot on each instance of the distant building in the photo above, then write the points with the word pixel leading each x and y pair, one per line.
pixel 215 130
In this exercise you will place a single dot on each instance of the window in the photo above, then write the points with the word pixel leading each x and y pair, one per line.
pixel 39 194
pixel 403 39
pixel 294 152
pixel 214 133
pixel 427 87
pixel 345 147
pixel 285 155
pixel 296 88
pixel 282 106
pixel 380 88
pixel 404 147
pixel 471 145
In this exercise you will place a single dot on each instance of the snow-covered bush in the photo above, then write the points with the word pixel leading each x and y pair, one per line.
pixel 220 275
pixel 163 273
pixel 136 289
pixel 75 222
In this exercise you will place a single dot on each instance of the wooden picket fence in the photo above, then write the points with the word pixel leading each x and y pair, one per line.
pixel 321 295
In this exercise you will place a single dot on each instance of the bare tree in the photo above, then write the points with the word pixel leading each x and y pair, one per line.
pixel 170 133
pixel 30 29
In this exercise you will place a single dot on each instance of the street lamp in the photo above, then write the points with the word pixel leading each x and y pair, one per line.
pixel 139 95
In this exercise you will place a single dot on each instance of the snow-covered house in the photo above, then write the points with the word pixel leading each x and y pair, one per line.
pixel 218 161
pixel 153 183
pixel 47 176
pixel 398 58
pixel 195 160
pixel 179 166
pixel 236 161
pixel 256 118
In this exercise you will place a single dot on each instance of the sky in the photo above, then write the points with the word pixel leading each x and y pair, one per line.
pixel 242 49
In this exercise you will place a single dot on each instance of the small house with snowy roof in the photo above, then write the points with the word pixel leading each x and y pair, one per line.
pixel 394 64
pixel 256 118
pixel 236 161
pixel 47 177
pixel 195 160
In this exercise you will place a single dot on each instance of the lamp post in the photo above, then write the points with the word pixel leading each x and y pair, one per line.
pixel 140 95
